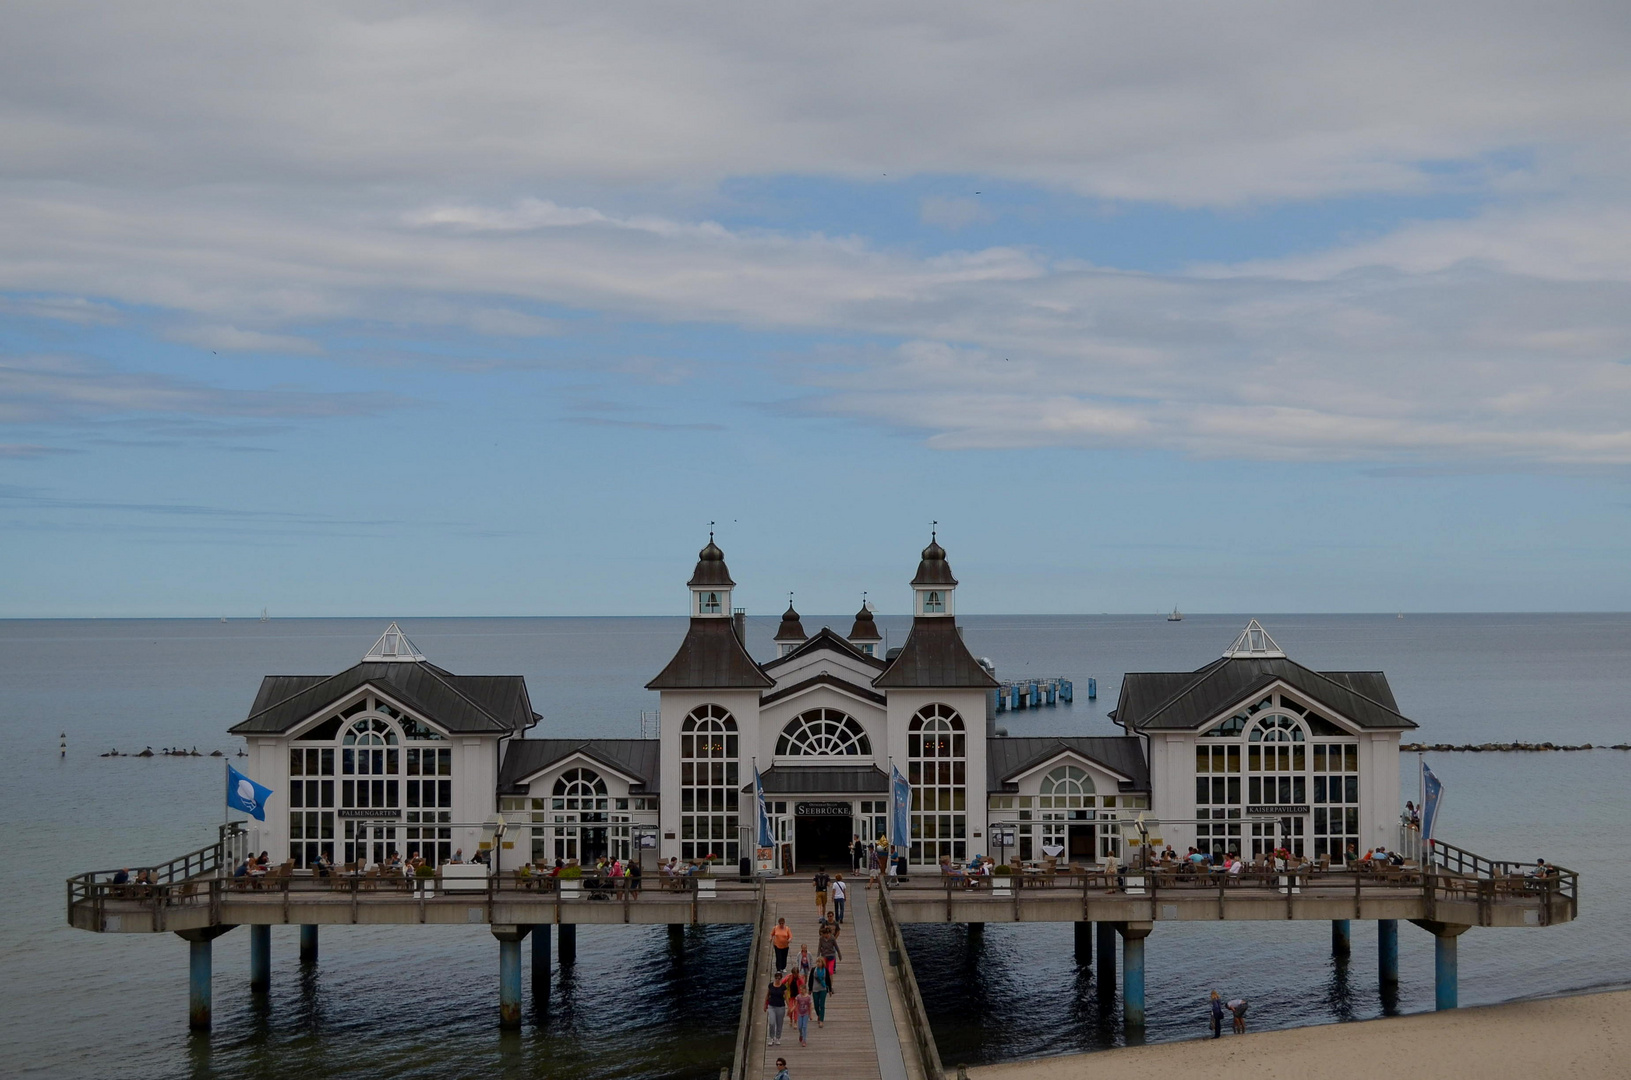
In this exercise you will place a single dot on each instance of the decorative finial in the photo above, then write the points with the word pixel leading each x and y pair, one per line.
pixel 710 532
pixel 789 597
pixel 934 527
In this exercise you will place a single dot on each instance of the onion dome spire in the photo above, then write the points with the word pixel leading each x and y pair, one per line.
pixel 711 570
pixel 791 629
pixel 934 569
pixel 865 628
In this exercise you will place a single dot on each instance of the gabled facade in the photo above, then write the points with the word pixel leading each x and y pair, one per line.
pixel 1255 751
pixel 392 739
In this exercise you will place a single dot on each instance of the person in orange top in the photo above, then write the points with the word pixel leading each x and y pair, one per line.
pixel 781 937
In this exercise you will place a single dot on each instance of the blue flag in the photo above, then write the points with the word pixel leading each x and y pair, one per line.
pixel 246 795
pixel 900 805
pixel 765 837
pixel 1433 792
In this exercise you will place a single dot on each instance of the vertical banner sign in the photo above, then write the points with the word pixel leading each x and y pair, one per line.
pixel 766 853
pixel 1433 794
pixel 900 803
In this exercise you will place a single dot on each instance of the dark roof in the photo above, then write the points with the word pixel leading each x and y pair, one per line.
pixel 865 628
pixel 822 780
pixel 825 639
pixel 934 655
pixel 460 703
pixel 711 568
pixel 790 629
pixel 639 758
pixel 934 569
pixel 710 658
pixel 1167 701
pixel 1007 756
pixel 824 679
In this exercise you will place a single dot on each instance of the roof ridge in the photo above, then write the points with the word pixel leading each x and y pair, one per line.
pixel 1202 674
pixel 1356 693
pixel 321 679
pixel 443 677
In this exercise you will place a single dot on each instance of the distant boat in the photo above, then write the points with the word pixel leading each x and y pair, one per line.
pixel 1176 616
pixel 264 616
pixel 223 618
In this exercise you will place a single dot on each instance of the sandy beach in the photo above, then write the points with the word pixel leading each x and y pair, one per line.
pixel 1584 1036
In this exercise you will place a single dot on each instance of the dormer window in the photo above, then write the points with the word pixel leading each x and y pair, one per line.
pixel 934 603
pixel 708 603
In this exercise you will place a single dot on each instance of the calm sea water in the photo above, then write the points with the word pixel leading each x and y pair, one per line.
pixel 411 1001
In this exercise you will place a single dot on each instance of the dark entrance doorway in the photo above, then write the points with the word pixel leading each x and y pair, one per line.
pixel 1081 844
pixel 822 835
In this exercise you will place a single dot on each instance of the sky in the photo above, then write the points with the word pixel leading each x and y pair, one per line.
pixel 491 308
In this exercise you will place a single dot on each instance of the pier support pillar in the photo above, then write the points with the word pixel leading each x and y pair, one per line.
pixel 1084 942
pixel 198 973
pixel 1341 945
pixel 1132 971
pixel 1106 934
pixel 509 974
pixel 976 933
pixel 676 936
pixel 308 944
pixel 567 950
pixel 1445 935
pixel 260 959
pixel 540 966
pixel 1387 951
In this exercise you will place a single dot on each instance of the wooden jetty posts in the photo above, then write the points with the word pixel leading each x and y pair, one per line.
pixel 196 898
pixel 1016 694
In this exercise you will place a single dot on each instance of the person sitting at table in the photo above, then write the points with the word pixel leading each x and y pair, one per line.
pixel 458 857
pixel 1235 865
pixel 122 877
pixel 1195 857
pixel 323 866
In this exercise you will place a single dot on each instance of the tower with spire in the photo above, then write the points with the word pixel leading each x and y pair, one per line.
pixel 790 634
pixel 864 634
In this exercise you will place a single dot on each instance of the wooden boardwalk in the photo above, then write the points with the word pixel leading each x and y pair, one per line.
pixel 847 1047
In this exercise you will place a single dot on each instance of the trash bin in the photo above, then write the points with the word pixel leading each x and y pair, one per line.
pixel 744 867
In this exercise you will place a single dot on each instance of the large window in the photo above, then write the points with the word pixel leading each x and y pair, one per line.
pixel 311 804
pixel 1068 795
pixel 709 784
pixel 937 763
pixel 580 802
pixel 823 733
pixel 1276 778
pixel 1336 801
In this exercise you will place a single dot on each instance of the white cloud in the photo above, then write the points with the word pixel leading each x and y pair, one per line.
pixel 953 212
pixel 233 338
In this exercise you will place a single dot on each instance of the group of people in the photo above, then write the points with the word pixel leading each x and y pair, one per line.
pixel 1236 1008
pixel 799 987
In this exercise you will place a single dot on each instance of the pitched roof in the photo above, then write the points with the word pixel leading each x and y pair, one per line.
pixel 934 655
pixel 1169 701
pixel 473 704
pixel 1009 756
pixel 639 758
pixel 822 780
pixel 824 678
pixel 711 658
pixel 824 638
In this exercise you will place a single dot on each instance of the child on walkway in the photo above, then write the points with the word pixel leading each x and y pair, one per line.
pixel 806 1008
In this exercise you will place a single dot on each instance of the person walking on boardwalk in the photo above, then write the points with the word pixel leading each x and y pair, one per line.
pixel 1217 1015
pixel 829 954
pixel 804 1006
pixel 805 962
pixel 1238 1008
pixel 818 993
pixel 780 938
pixel 821 883
pixel 840 893
pixel 781 1070
pixel 776 1007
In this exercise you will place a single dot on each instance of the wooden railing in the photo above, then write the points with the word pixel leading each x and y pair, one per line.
pixel 753 990
pixel 1455 867
pixel 917 1017
pixel 175 878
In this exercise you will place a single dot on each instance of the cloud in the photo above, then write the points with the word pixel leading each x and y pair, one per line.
pixel 230 337
pixel 953 212
pixel 71 309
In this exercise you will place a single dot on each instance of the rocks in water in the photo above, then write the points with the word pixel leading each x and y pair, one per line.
pixel 1521 747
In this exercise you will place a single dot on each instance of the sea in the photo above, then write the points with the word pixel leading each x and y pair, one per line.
pixel 421 1001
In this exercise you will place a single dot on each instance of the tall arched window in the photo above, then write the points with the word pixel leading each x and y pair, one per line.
pixel 823 733
pixel 937 765
pixel 1277 776
pixel 708 784
pixel 1068 795
pixel 579 802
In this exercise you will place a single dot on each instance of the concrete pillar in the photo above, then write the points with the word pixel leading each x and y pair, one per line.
pixel 1132 973
pixel 260 959
pixel 1107 961
pixel 1444 960
pixel 567 950
pixel 540 966
pixel 509 983
pixel 1084 942
pixel 976 933
pixel 308 944
pixel 676 935
pixel 1340 943
pixel 1387 951
pixel 198 985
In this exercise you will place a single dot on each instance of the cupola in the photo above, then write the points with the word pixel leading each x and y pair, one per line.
pixel 711 584
pixel 790 635
pixel 933 586
pixel 864 634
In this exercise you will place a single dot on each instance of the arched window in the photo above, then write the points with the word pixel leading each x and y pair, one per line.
pixel 936 752
pixel 709 784
pixel 580 789
pixel 934 602
pixel 1277 729
pixel 369 748
pixel 708 603
pixel 1066 787
pixel 823 733
pixel 1276 776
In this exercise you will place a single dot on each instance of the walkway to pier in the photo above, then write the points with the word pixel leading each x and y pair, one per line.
pixel 859 1041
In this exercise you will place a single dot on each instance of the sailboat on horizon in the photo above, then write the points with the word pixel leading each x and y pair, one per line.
pixel 1176 616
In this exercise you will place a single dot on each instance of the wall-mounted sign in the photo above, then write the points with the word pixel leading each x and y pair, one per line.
pixel 371 815
pixel 823 809
pixel 1276 811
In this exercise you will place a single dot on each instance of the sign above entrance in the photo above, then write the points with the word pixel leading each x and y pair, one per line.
pixel 370 815
pixel 822 809
pixel 1277 811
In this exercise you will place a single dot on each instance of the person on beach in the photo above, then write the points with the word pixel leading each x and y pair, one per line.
pixel 776 1009
pixel 1238 1008
pixel 804 1005
pixel 780 938
pixel 781 1070
pixel 819 989
pixel 821 882
pixel 1217 1015
pixel 840 893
